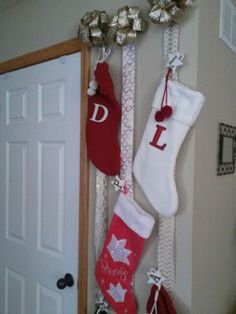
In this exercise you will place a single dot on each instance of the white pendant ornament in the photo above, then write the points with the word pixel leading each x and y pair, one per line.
pixel 118 183
pixel 102 306
pixel 155 277
pixel 117 250
pixel 117 292
pixel 175 60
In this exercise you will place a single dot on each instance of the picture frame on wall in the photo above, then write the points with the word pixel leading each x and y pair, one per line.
pixel 226 149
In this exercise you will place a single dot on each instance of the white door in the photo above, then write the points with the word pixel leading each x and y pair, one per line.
pixel 39 187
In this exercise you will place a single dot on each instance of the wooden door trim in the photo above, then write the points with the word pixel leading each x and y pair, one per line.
pixel 47 54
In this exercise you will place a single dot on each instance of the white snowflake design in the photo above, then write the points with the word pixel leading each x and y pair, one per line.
pixel 117 292
pixel 118 251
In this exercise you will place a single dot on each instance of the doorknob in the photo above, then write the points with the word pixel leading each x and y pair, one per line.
pixel 67 281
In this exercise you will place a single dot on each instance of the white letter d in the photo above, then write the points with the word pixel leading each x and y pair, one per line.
pixel 105 113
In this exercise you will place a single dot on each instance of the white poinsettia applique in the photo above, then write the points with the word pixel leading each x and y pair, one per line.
pixel 117 292
pixel 118 251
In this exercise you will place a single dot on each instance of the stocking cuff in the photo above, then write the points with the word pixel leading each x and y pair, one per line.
pixel 134 216
pixel 186 103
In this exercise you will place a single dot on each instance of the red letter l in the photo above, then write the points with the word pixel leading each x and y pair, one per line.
pixel 157 136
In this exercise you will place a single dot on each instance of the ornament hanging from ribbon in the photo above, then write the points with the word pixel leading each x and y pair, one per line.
pixel 93 28
pixel 168 11
pixel 125 26
pixel 159 301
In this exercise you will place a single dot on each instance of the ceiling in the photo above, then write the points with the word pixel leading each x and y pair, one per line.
pixel 6 4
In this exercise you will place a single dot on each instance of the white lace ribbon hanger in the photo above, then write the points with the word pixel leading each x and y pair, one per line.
pixel 166 234
pixel 101 206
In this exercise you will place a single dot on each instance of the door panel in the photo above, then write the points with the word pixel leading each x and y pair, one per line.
pixel 16 154
pixel 16 106
pixel 48 301
pixel 51 209
pixel 39 186
pixel 15 290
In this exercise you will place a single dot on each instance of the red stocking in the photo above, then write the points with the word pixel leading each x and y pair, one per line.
pixel 163 305
pixel 121 253
pixel 103 122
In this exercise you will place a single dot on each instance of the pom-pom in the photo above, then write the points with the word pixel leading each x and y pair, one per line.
pixel 167 111
pixel 93 84
pixel 91 92
pixel 159 116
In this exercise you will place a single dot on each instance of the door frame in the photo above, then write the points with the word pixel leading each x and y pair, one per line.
pixel 47 54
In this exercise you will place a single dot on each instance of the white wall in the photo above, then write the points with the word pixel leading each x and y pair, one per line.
pixel 34 24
